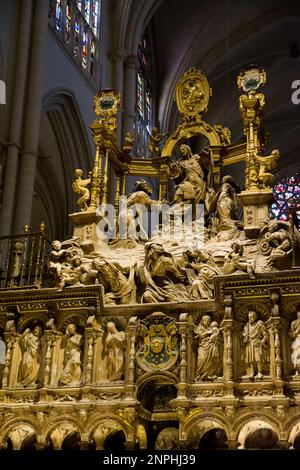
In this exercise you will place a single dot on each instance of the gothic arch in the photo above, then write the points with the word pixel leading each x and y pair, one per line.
pixel 195 427
pixel 21 427
pixel 64 139
pixel 65 423
pixel 254 424
pixel 132 21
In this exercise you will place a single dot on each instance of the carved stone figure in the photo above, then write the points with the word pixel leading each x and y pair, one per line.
pixel 202 278
pixel 131 218
pixel 128 141
pixel 164 279
pixel 30 344
pixel 79 186
pixel 209 359
pixel 155 138
pixel 192 175
pixel 167 439
pixel 115 344
pixel 255 337
pixel 225 202
pixel 236 262
pixel 71 272
pixel 10 326
pixel 279 238
pixel 71 343
pixel 54 260
pixel 119 289
pixel 295 335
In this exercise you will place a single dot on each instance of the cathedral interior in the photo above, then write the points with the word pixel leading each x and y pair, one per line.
pixel 149 224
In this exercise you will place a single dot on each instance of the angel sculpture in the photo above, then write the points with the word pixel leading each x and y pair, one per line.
pixel 128 141
pixel 155 138
pixel 266 165
pixel 79 186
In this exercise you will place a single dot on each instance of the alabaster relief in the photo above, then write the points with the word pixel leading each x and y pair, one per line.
pixel 184 336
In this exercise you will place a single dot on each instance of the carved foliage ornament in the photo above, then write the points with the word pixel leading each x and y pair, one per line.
pixel 192 94
pixel 159 346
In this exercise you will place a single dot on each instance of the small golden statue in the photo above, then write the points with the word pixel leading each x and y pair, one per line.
pixel 79 186
pixel 128 141
pixel 266 166
pixel 155 138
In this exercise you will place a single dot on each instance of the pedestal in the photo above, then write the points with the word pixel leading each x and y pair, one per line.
pixel 85 227
pixel 256 209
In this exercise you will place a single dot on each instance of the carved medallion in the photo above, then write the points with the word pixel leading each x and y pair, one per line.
pixel 192 94
pixel 159 347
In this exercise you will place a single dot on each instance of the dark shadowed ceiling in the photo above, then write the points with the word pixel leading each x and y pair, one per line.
pixel 221 37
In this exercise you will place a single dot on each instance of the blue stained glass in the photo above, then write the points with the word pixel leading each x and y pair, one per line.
pixel 95 16
pixel 87 8
pixel 286 193
pixel 58 15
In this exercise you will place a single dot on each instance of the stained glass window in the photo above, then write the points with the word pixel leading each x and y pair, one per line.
pixel 87 10
pixel 58 14
pixel 95 16
pixel 68 23
pixel 76 23
pixel 287 198
pixel 85 41
pixel 144 80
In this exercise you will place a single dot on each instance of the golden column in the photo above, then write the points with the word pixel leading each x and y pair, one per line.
pixel 257 196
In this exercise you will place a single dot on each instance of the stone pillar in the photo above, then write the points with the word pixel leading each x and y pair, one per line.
pixel 32 116
pixel 227 326
pixel 118 84
pixel 130 354
pixel 183 329
pixel 9 376
pixel 89 352
pixel 129 94
pixel 50 337
pixel 16 117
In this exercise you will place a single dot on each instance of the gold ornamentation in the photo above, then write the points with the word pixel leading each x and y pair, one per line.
pixel 159 349
pixel 79 186
pixel 192 95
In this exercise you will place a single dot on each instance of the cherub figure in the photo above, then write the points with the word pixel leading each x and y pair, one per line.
pixel 128 141
pixel 54 264
pixel 79 186
pixel 71 274
pixel 155 138
pixel 236 262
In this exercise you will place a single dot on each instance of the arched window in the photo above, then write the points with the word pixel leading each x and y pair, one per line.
pixel 76 24
pixel 144 97
pixel 287 199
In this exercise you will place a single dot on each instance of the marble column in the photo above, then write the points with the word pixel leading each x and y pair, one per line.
pixel 32 116
pixel 16 117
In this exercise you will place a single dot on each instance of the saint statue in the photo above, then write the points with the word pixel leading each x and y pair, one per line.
pixel 210 358
pixel 30 344
pixel 255 336
pixel 225 202
pixel 71 372
pixel 295 335
pixel 115 345
pixel 192 174
pixel 164 279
